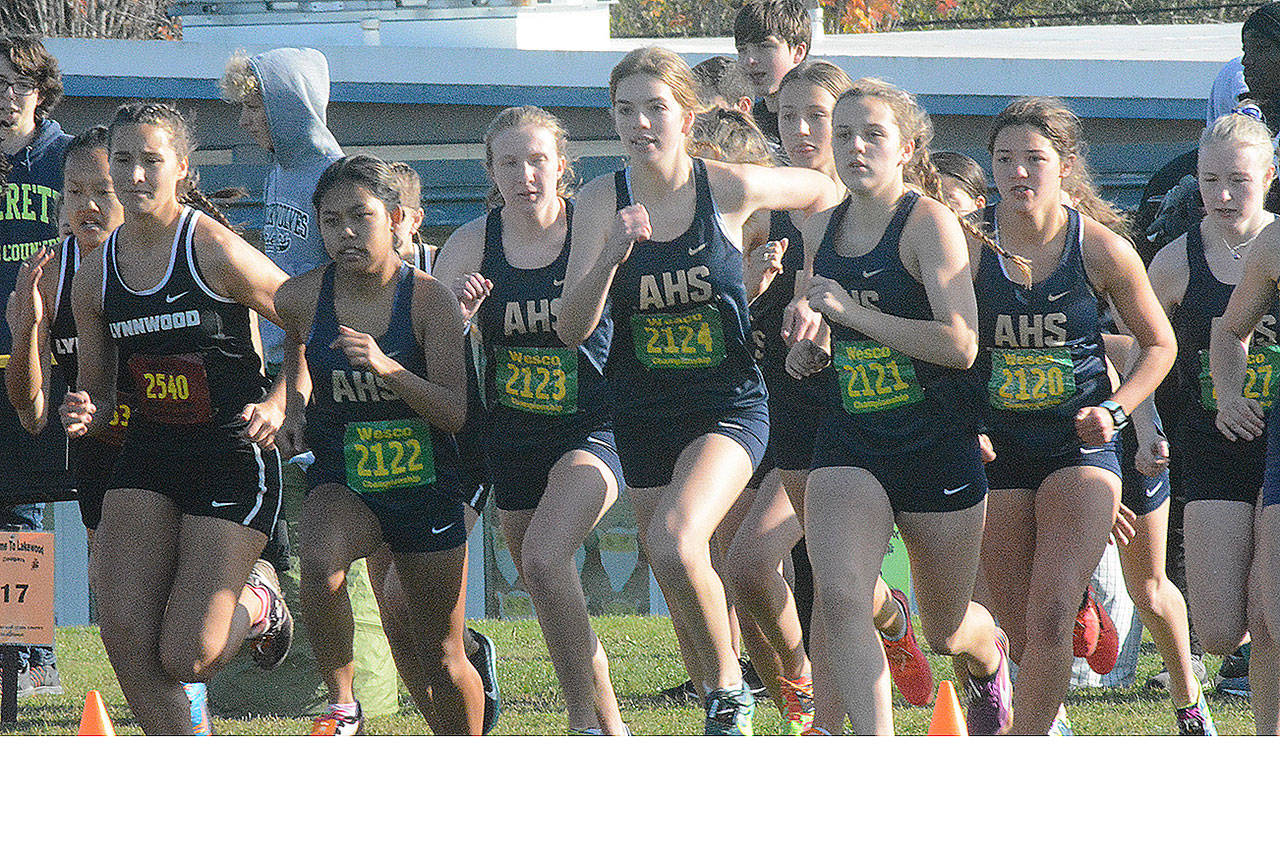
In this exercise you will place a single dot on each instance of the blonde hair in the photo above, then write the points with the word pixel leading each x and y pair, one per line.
pixel 408 182
pixel 238 80
pixel 818 72
pixel 663 65
pixel 1051 119
pixel 1239 130
pixel 915 125
pixel 536 117
pixel 729 136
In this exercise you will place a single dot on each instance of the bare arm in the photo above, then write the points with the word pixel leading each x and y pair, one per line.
pixel 295 304
pixel 30 315
pixel 1239 417
pixel 601 240
pixel 457 266
pixel 97 355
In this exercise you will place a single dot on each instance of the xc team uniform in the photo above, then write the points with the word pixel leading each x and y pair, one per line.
pixel 545 399
pixel 92 458
pixel 1040 360
pixel 368 439
pixel 1213 466
pixel 796 406
pixel 904 420
pixel 192 369
pixel 680 365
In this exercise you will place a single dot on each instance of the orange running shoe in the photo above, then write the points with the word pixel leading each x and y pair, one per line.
pixel 334 723
pixel 907 663
pixel 1104 656
pixel 1085 639
pixel 798 696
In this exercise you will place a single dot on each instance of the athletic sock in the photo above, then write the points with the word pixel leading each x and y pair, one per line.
pixel 258 621
pixel 901 633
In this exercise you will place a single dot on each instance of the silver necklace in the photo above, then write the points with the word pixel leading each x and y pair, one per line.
pixel 1237 249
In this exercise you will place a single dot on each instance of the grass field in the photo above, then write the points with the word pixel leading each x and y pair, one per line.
pixel 644 661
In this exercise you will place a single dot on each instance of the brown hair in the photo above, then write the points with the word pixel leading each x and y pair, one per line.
pixel 408 182
pixel 729 136
pixel 720 79
pixel 963 169
pixel 915 125
pixel 537 117
pixel 168 117
pixel 818 72
pixel 663 65
pixel 1051 119
pixel 787 20
pixel 30 58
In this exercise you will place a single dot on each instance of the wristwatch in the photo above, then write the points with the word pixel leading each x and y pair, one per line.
pixel 1118 416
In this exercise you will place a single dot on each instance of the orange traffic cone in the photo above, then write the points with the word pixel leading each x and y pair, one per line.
pixel 94 721
pixel 947 719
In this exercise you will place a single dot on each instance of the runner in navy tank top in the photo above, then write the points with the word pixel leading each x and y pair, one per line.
pixel 382 411
pixel 888 271
pixel 197 484
pixel 656 247
pixel 49 341
pixel 1231 586
pixel 550 445
pixel 1053 423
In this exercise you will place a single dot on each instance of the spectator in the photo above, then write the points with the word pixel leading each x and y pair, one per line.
pixel 772 37
pixel 31 171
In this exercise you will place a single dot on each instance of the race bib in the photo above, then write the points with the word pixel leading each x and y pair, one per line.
pixel 676 341
pixel 1260 373
pixel 874 378
pixel 171 389
pixel 1030 379
pixel 118 425
pixel 386 455
pixel 542 380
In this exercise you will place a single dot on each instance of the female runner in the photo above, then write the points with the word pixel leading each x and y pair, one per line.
pixel 381 409
pixel 656 249
pixel 196 488
pixel 1233 551
pixel 551 451
pixel 889 273
pixel 1053 423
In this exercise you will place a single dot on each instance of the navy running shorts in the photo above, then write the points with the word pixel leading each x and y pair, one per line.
pixel 649 449
pixel 520 479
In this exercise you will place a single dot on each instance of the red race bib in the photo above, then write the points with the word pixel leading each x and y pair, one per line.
pixel 171 389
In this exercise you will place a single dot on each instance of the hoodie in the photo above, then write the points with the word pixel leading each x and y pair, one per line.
pixel 294 83
pixel 29 221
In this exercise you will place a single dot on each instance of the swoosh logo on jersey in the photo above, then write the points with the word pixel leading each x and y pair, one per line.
pixel 727 425
pixel 872 273
pixel 697 249
pixel 956 489
pixel 1092 449
pixel 221 503
pixel 1151 491
pixel 175 298
pixel 1055 297
pixel 434 531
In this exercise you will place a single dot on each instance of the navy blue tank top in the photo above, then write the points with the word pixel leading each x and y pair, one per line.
pixel 1040 357
pixel 62 331
pixel 186 351
pixel 681 325
pixel 536 386
pixel 343 397
pixel 892 402
pixel 1205 300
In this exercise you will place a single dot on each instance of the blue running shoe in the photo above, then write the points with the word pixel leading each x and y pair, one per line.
pixel 198 695
pixel 729 711
pixel 1061 726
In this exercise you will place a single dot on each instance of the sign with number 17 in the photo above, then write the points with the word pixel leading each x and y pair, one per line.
pixel 26 588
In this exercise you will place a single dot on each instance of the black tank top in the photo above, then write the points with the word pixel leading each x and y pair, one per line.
pixel 1205 300
pixel 893 403
pixel 680 320
pixel 537 387
pixel 1040 356
pixel 188 350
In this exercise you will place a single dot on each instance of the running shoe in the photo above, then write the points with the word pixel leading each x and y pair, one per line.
pixel 680 694
pixel 270 648
pixel 1104 656
pixel 198 696
pixel 1196 720
pixel 907 663
pixel 1061 726
pixel 729 711
pixel 798 698
pixel 337 724
pixel 42 680
pixel 1085 639
pixel 991 699
pixel 593 731
pixel 485 660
